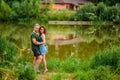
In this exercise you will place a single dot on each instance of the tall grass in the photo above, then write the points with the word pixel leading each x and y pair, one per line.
pixel 11 67
pixel 70 65
pixel 108 57
pixel 105 65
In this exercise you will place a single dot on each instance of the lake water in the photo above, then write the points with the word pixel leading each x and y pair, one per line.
pixel 65 41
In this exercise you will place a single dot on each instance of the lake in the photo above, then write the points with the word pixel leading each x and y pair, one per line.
pixel 65 41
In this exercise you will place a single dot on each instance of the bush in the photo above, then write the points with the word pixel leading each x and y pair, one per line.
pixel 86 13
pixel 107 2
pixel 101 11
pixel 108 57
pixel 25 72
pixel 112 13
pixel 53 64
pixel 59 15
pixel 85 65
pixel 8 51
pixel 3 44
pixel 70 65
pixel 101 73
pixel 25 9
pixel 5 11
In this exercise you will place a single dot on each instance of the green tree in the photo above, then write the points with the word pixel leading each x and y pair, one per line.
pixel 112 13
pixel 86 13
pixel 107 2
pixel 27 8
pixel 5 10
pixel 101 11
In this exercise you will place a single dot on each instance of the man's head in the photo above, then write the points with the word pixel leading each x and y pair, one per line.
pixel 36 27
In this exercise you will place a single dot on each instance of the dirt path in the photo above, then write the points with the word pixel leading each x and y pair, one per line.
pixel 50 75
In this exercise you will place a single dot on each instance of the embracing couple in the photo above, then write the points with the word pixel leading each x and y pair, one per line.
pixel 38 47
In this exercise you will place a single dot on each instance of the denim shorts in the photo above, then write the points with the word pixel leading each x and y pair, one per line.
pixel 42 49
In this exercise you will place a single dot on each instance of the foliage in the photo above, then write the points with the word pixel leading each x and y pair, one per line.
pixel 101 12
pixel 4 10
pixel 70 65
pixel 85 13
pixel 10 64
pixel 25 72
pixel 53 64
pixel 60 15
pixel 108 57
pixel 26 8
pixel 101 73
pixel 8 50
pixel 108 2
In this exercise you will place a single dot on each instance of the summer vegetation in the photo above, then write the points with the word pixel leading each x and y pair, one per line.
pixel 26 10
pixel 105 65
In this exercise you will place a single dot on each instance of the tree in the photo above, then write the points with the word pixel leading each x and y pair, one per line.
pixel 107 2
pixel 5 10
pixel 27 8
pixel 86 13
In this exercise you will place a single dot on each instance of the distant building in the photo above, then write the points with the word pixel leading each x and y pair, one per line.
pixel 65 4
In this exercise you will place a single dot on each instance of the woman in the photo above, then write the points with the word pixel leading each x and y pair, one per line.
pixel 42 47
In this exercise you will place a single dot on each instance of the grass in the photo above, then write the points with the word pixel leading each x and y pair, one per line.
pixel 105 65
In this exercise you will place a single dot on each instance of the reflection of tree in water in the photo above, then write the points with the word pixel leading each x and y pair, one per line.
pixel 97 31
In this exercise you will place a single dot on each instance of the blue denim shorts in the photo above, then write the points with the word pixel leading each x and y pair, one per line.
pixel 42 49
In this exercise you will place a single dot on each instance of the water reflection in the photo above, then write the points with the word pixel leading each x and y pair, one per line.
pixel 65 41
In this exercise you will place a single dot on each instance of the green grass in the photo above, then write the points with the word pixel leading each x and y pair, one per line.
pixel 108 57
pixel 105 65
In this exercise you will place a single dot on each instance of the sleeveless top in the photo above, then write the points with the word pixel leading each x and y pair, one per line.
pixel 40 39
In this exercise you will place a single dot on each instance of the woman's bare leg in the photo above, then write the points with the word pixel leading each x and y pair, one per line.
pixel 44 63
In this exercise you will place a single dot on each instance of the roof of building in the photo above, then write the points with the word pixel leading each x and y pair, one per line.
pixel 74 2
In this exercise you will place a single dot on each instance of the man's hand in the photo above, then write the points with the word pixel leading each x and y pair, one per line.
pixel 36 42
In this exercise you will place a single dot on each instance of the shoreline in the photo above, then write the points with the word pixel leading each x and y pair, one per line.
pixel 87 23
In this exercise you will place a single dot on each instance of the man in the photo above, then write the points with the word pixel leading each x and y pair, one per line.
pixel 35 47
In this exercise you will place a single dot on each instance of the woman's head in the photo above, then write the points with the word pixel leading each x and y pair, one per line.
pixel 42 30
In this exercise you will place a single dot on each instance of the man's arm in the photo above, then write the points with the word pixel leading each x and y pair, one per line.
pixel 36 42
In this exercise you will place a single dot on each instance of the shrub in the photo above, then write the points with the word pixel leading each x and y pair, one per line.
pixel 8 50
pixel 101 11
pixel 88 75
pixel 108 2
pixel 109 57
pixel 85 64
pixel 26 8
pixel 3 44
pixel 102 73
pixel 112 13
pixel 5 10
pixel 59 15
pixel 25 72
pixel 86 13
pixel 70 65
pixel 53 64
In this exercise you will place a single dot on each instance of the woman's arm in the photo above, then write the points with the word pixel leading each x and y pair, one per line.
pixel 43 37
